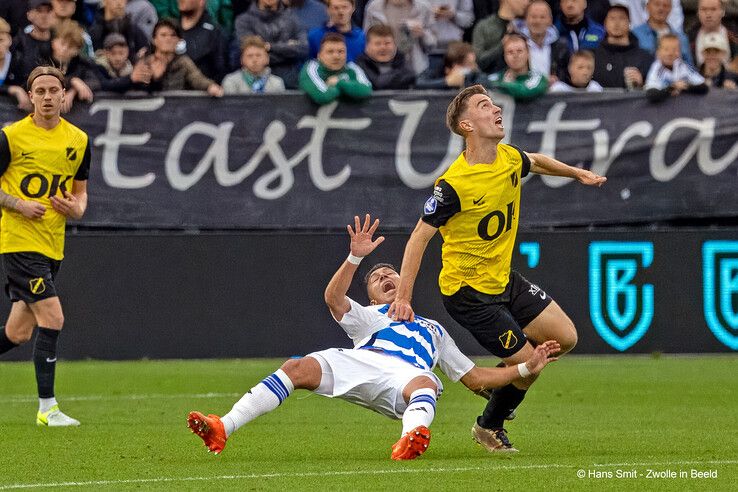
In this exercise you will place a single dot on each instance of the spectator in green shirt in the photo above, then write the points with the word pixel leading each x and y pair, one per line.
pixel 518 80
pixel 330 77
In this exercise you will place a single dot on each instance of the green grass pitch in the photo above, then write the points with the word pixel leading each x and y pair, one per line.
pixel 604 417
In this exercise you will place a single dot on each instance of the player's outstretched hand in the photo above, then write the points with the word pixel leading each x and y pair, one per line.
pixel 30 209
pixel 589 178
pixel 361 237
pixel 542 355
pixel 68 205
pixel 401 310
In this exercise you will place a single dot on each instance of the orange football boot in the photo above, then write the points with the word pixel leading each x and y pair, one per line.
pixel 412 444
pixel 210 429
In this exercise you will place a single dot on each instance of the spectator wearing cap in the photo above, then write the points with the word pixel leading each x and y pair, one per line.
pixel 488 33
pixel 330 77
pixel 115 71
pixel 33 45
pixel 383 65
pixel 713 69
pixel 169 71
pixel 669 75
pixel 113 58
pixel 113 18
pixel 711 14
pixel 64 11
pixel 619 61
pixel 255 76
pixel 580 32
pixel 277 26
pixel 549 53
pixel 650 32
pixel 518 80
pixel 10 85
pixel 204 40
pixel 579 75
pixel 339 20
pixel 411 22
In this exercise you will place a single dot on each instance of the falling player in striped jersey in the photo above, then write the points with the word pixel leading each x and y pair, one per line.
pixel 389 370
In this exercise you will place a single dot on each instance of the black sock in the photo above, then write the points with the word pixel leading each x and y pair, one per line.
pixel 503 401
pixel 5 343
pixel 44 358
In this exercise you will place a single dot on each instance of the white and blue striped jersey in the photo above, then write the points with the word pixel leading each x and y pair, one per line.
pixel 422 343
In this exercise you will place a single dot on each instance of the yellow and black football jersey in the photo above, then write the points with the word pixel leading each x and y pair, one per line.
pixel 476 208
pixel 37 164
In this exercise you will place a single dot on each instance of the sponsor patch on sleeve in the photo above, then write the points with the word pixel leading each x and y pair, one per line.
pixel 430 206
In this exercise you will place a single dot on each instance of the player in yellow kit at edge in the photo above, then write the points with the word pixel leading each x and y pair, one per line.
pixel 44 165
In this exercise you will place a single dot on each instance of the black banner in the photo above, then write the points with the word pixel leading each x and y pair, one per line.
pixel 278 161
pixel 254 294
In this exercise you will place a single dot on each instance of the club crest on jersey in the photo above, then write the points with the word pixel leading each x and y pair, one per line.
pixel 71 153
pixel 508 339
pixel 430 206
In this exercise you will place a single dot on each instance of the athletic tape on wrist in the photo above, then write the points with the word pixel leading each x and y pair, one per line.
pixel 354 260
pixel 523 370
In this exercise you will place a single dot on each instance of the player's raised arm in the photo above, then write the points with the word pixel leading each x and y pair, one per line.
pixel 362 245
pixel 401 309
pixel 481 378
pixel 543 164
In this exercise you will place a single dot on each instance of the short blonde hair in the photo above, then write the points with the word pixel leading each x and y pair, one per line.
pixel 253 41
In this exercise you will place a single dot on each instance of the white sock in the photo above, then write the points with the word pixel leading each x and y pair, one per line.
pixel 45 404
pixel 420 410
pixel 262 398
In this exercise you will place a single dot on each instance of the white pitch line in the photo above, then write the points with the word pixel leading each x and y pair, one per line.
pixel 345 473
pixel 26 399
pixel 716 462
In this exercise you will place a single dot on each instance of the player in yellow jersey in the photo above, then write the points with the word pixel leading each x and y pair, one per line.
pixel 475 205
pixel 44 165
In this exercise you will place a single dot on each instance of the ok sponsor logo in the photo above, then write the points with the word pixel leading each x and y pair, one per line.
pixel 495 223
pixel 720 289
pixel 621 309
pixel 36 185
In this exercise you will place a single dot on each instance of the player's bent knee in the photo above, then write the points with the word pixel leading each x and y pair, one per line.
pixel 20 337
pixel 420 382
pixel 304 373
pixel 568 339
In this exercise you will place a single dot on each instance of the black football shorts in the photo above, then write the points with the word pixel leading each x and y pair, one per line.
pixel 30 276
pixel 498 321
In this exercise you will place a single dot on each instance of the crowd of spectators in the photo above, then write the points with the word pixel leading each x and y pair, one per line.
pixel 347 49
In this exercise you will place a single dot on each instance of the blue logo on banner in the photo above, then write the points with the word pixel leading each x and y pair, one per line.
pixel 620 315
pixel 720 280
pixel 430 206
pixel 533 252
